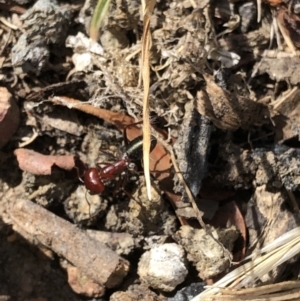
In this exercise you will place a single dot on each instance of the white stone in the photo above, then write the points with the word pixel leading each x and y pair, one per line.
pixel 163 267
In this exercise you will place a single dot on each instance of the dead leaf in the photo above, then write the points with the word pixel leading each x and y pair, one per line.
pixel 9 116
pixel 227 110
pixel 39 164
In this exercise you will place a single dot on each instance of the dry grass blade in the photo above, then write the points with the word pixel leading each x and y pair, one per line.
pixel 288 290
pixel 99 14
pixel 274 254
pixel 258 4
pixel 146 41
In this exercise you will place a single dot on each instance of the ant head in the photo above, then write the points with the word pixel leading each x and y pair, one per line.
pixel 93 182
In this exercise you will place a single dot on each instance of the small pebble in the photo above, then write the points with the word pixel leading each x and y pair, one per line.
pixel 163 267
pixel 189 292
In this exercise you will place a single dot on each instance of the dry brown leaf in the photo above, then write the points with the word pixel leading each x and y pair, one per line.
pixel 226 110
pixel 39 164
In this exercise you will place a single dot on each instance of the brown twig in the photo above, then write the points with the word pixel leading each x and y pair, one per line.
pixel 92 257
pixel 115 118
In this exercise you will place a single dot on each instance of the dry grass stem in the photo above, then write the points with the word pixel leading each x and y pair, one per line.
pixel 279 251
pixel 146 41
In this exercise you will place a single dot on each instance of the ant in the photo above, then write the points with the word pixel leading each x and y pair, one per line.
pixel 95 177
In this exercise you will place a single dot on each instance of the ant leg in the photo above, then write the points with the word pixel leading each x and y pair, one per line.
pixel 117 186
pixel 121 185
pixel 78 175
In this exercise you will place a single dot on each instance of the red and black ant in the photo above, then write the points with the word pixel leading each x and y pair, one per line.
pixel 95 178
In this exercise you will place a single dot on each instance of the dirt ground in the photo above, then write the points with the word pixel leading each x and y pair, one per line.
pixel 225 112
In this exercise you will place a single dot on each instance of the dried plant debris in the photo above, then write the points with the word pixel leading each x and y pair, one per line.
pixel 17 272
pixel 121 71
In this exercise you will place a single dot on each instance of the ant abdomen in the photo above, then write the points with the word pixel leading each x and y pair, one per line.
pixel 134 149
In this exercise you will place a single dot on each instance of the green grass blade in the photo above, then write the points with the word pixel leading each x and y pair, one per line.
pixel 99 14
